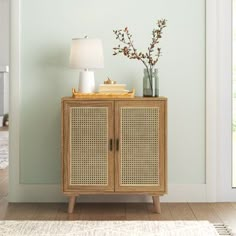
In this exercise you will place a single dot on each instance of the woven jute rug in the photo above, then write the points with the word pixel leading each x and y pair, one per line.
pixel 110 228
pixel 3 149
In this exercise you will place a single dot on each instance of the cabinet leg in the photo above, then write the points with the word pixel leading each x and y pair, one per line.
pixel 156 204
pixel 71 205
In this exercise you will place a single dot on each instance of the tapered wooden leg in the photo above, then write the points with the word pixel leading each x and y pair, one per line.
pixel 71 205
pixel 156 204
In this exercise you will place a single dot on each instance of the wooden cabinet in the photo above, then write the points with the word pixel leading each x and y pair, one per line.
pixel 114 146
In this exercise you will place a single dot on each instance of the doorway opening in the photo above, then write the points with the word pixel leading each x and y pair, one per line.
pixel 4 132
pixel 4 96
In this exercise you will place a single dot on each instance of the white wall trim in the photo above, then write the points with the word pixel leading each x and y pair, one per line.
pixel 211 97
pixel 14 111
pixel 52 193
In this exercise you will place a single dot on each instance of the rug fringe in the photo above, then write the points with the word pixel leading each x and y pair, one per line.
pixel 223 229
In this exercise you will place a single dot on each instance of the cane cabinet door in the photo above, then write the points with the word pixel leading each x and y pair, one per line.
pixel 88 163
pixel 140 146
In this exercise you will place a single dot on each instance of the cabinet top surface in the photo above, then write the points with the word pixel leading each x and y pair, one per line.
pixel 115 99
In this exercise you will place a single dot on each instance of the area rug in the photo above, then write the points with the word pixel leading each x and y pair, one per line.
pixel 3 149
pixel 107 228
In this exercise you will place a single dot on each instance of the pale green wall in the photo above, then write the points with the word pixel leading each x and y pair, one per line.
pixel 47 29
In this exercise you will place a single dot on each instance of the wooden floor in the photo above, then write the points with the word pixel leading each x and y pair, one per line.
pixel 3 183
pixel 213 212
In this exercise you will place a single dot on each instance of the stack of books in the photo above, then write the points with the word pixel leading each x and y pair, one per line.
pixel 113 88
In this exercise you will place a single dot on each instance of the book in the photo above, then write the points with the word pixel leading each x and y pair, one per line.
pixel 111 87
pixel 124 91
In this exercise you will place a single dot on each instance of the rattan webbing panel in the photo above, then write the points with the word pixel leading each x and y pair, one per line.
pixel 89 145
pixel 139 146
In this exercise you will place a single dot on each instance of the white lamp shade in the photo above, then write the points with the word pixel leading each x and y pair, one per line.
pixel 86 54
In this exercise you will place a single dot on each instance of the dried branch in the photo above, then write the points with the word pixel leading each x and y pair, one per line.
pixel 129 50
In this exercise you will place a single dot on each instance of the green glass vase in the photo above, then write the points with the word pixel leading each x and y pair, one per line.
pixel 150 83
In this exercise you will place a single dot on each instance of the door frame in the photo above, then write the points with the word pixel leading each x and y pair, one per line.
pixel 219 101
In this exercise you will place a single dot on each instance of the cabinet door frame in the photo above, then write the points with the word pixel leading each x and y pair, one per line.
pixel 67 187
pixel 162 188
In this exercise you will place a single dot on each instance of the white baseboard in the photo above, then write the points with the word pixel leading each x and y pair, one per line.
pixel 52 193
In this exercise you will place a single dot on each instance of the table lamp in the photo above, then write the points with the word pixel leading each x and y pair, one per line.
pixel 86 54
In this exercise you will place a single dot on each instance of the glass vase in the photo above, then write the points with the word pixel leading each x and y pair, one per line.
pixel 150 83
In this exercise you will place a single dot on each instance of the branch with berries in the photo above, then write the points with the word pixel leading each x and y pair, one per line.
pixel 151 57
